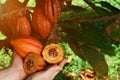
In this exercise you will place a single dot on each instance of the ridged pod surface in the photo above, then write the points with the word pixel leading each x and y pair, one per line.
pixel 24 45
pixel 40 23
pixel 53 10
pixel 23 27
pixel 10 8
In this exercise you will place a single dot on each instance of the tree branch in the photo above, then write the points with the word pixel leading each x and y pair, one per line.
pixel 93 19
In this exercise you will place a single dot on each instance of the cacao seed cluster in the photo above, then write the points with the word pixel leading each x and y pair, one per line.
pixel 27 31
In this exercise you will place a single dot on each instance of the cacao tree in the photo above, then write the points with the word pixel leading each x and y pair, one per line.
pixel 90 29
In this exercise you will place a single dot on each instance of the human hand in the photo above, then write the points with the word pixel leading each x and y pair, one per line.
pixel 49 73
pixel 15 71
pixel 17 64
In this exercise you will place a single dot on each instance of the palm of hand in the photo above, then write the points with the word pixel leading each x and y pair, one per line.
pixel 49 73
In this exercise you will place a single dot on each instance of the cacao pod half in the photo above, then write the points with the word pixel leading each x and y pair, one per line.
pixel 41 24
pixel 53 53
pixel 24 45
pixel 33 62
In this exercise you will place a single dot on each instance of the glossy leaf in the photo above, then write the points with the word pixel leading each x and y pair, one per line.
pixel 99 10
pixel 109 6
pixel 88 35
pixel 96 59
pixel 74 8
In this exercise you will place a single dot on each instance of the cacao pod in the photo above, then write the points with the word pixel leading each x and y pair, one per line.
pixel 40 23
pixel 40 3
pixel 24 45
pixel 53 53
pixel 48 9
pixel 23 27
pixel 57 10
pixel 12 18
pixel 53 9
pixel 33 62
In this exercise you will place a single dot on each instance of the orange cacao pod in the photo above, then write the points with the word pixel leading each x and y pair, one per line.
pixel 57 9
pixel 24 45
pixel 11 19
pixel 53 53
pixel 41 24
pixel 33 62
pixel 23 27
pixel 53 10
pixel 12 16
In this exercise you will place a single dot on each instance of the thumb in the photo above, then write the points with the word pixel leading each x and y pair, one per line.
pixel 16 58
pixel 53 71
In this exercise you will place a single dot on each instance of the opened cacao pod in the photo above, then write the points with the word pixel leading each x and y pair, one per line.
pixel 53 53
pixel 33 62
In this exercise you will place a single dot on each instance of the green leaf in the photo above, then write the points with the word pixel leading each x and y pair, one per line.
pixel 76 49
pixel 96 59
pixel 101 11
pixel 3 1
pixel 92 36
pixel 109 6
pixel 31 3
pixel 76 64
pixel 60 76
pixel 5 58
pixel 2 36
pixel 74 8
pixel 88 34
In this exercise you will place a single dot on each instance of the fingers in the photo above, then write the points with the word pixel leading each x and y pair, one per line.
pixel 50 72
pixel 54 68
pixel 53 71
pixel 16 59
pixel 15 55
pixel 57 67
pixel 63 63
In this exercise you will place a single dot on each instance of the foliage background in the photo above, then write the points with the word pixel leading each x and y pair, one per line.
pixel 91 27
